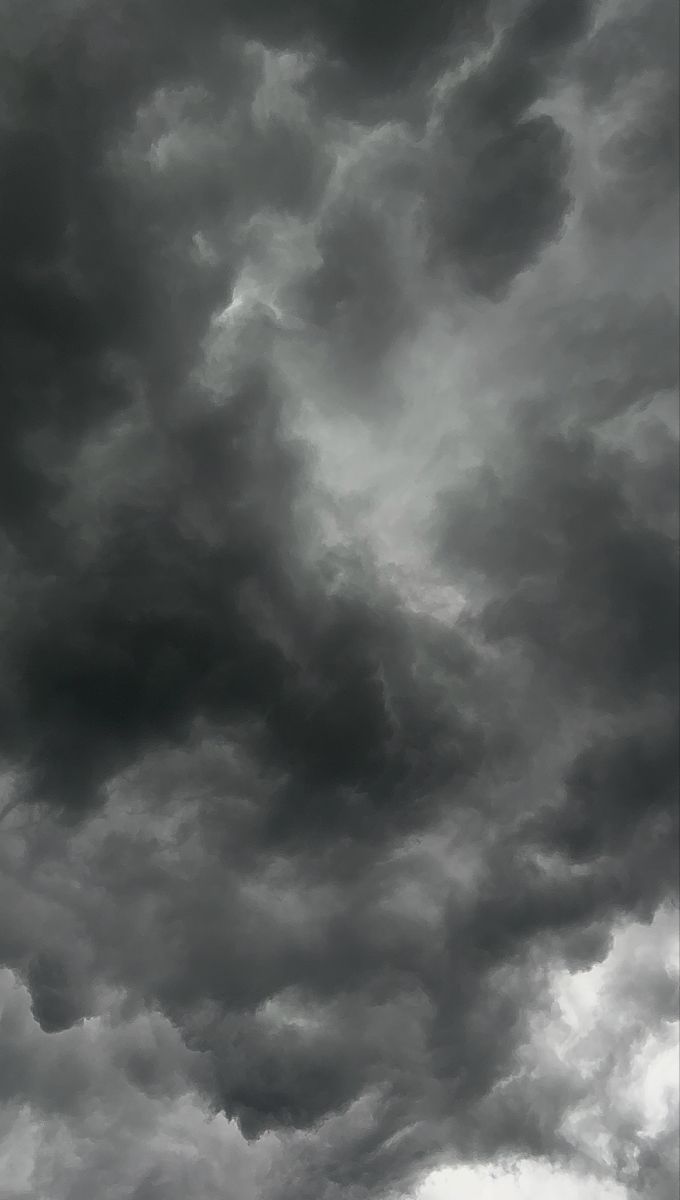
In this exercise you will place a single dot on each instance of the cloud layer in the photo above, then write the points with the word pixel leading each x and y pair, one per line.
pixel 338 484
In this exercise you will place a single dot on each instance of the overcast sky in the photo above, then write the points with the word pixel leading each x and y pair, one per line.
pixel 338 686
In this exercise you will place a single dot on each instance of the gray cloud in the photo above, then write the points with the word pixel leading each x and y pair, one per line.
pixel 499 187
pixel 339 503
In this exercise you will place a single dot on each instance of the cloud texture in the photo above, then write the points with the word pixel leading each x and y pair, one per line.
pixel 339 693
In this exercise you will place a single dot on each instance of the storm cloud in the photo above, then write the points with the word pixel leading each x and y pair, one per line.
pixel 339 680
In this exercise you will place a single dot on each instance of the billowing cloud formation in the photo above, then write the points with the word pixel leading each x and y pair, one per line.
pixel 338 484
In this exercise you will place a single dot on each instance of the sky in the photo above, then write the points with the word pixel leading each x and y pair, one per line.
pixel 338 537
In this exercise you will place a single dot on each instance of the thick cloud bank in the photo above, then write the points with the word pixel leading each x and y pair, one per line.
pixel 339 680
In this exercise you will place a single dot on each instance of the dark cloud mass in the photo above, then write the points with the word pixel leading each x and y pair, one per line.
pixel 339 675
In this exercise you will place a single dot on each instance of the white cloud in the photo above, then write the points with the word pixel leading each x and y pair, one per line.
pixel 526 1180
pixel 606 1040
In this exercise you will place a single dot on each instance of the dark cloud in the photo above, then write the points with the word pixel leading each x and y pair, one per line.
pixel 334 728
pixel 588 585
pixel 52 993
pixel 82 287
pixel 616 785
pixel 499 189
pixel 581 584
pixel 494 210
pixel 376 48
pixel 159 630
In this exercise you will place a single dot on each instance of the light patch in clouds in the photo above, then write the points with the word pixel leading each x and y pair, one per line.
pixel 607 1036
pixel 19 1142
pixel 613 1030
pixel 524 1180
